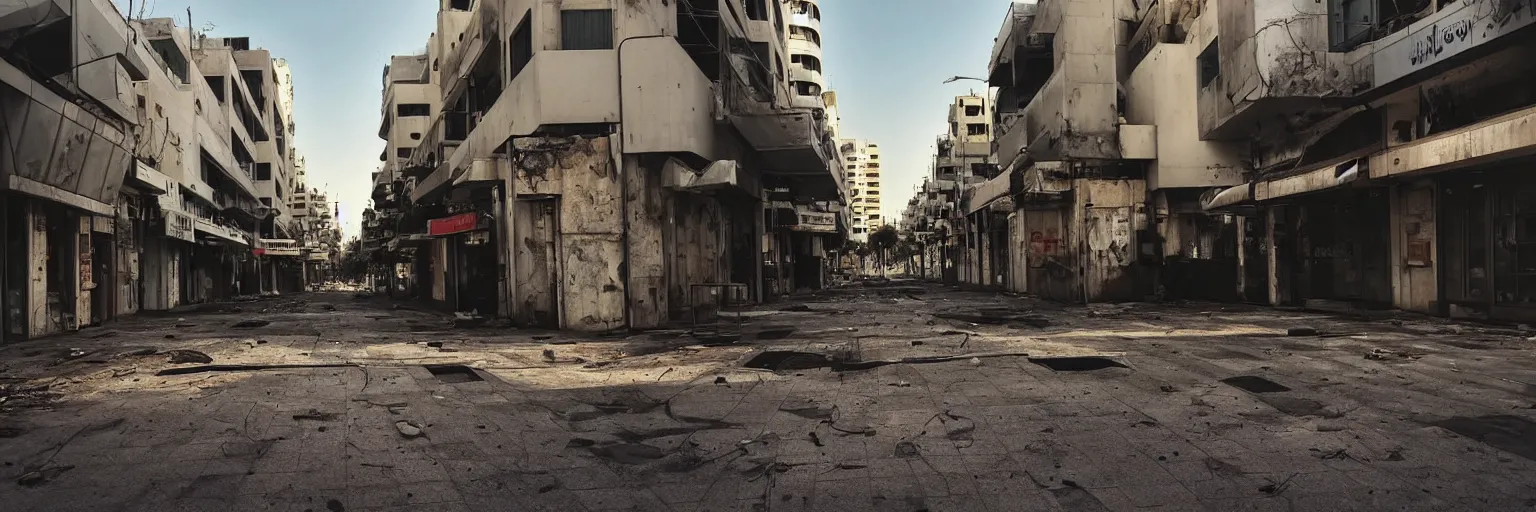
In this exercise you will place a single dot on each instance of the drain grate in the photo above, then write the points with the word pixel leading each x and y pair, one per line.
pixel 454 374
pixel 1254 384
pixel 1077 364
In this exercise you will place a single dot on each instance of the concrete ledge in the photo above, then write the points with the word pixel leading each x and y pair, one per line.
pixel 1506 136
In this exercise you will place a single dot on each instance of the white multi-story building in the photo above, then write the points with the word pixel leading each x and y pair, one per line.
pixel 862 167
pixel 804 46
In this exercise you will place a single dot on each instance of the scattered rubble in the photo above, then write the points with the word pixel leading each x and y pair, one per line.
pixel 408 429
pixel 188 357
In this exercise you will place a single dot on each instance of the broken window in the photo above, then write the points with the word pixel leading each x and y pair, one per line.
pixel 976 129
pixel 1208 64
pixel 266 201
pixel 972 110
pixel 459 5
pixel 413 110
pixel 586 29
pixel 403 152
pixel 807 88
pixel 1353 22
pixel 804 34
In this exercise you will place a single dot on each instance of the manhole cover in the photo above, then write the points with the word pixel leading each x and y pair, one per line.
pixel 454 374
pixel 1077 364
pixel 788 360
pixel 1254 384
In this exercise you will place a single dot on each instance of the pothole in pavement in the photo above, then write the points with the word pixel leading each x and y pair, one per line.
pixel 1512 434
pixel 454 374
pixel 779 360
pixel 1077 364
pixel 1253 384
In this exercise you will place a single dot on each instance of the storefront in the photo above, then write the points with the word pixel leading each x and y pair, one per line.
pixel 469 267
pixel 1487 244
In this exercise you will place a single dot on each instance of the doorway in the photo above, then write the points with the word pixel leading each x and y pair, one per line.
pixel 537 286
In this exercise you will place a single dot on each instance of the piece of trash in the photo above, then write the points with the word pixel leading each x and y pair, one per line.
pixel 248 324
pixel 975 361
pixel 170 336
pixel 720 380
pixel 435 344
pixel 188 357
pixel 902 384
pixel 549 355
pixel 41 476
pixel 1167 388
pixel 408 429
pixel 261 342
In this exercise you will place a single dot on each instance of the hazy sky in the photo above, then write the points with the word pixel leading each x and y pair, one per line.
pixel 885 58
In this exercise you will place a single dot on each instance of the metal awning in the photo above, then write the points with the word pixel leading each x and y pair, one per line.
pixel 1221 199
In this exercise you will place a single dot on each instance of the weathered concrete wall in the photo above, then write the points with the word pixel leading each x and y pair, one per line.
pixel 591 228
pixel 162 273
pixel 648 215
pixel 1109 212
pixel 1018 251
pixel 1415 282
pixel 439 263
pixel 1163 91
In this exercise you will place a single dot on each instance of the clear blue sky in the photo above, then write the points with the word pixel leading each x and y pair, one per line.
pixel 886 59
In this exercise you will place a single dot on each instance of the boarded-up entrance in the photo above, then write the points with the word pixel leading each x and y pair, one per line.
pixel 537 268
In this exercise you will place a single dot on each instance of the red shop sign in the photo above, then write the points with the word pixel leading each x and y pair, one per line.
pixel 455 224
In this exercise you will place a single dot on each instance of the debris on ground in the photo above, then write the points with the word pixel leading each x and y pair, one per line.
pixel 1301 331
pixel 796 308
pixel 41 476
pixel 906 449
pixel 188 357
pixel 316 415
pixel 1381 354
pixel 250 324
pixel 409 429
pixel 548 355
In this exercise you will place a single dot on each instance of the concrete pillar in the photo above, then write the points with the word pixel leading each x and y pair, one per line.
pixel 1271 257
pixel 646 213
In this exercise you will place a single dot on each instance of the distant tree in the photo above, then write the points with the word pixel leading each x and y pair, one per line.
pixel 354 261
pixel 883 240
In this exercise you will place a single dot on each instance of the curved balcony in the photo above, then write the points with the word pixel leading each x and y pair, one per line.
pixel 805 20
pixel 798 73
pixel 803 47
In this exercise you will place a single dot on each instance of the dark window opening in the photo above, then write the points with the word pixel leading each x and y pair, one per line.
pixel 172 56
pixel 807 61
pixel 1209 64
pixel 804 34
pixel 403 152
pixel 459 5
pixel 976 129
pixel 521 50
pixel 216 83
pixel 807 88
pixel 239 44
pixel 757 10
pixel 266 201
pixel 413 110
pixel 263 171
pixel 586 29
pixel 698 32
pixel 253 83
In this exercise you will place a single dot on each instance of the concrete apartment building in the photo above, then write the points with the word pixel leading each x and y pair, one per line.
pixel 862 167
pixel 141 173
pixel 619 161
pixel 1321 154
pixel 962 159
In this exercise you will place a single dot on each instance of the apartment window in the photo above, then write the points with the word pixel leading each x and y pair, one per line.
pixel 872 175
pixel 1351 22
pixel 757 10
pixel 807 89
pixel 873 165
pixel 413 110
pixel 806 61
pixel 459 5
pixel 1209 64
pixel 263 171
pixel 804 34
pixel 875 156
pixel 852 167
pixel 217 84
pixel 976 129
pixel 403 152
pixel 972 110
pixel 586 29
pixel 266 201
pixel 521 46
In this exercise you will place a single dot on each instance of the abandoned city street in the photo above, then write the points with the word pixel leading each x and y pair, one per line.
pixel 883 396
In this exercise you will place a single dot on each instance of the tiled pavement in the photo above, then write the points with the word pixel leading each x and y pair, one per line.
pixel 1392 416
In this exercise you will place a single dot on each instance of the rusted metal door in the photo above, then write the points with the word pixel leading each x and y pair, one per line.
pixel 538 288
